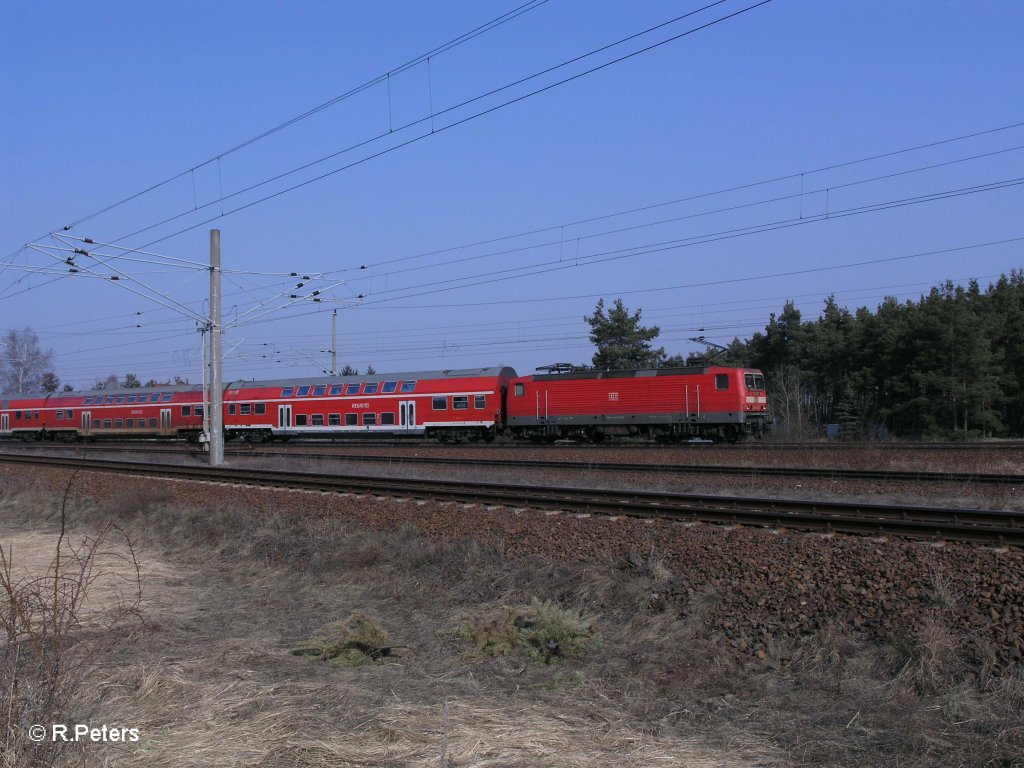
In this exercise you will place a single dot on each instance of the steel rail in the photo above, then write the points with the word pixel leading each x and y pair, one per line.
pixel 883 475
pixel 979 525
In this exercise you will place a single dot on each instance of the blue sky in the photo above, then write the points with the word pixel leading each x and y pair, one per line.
pixel 487 229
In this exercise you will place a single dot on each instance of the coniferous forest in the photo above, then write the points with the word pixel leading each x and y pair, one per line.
pixel 950 365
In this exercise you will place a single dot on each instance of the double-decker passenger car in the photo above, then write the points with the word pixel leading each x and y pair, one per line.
pixel 667 403
pixel 168 411
pixel 446 405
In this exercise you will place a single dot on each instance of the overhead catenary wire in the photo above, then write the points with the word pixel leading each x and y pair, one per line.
pixel 440 129
pixel 555 265
pixel 436 51
pixel 676 219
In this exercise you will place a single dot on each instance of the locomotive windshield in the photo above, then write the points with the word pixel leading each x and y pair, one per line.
pixel 754 380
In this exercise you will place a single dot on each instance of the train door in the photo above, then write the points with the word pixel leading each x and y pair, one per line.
pixel 5 422
pixel 407 414
pixel 86 422
pixel 284 416
pixel 165 421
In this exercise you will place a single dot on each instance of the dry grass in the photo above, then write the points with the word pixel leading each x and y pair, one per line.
pixel 230 592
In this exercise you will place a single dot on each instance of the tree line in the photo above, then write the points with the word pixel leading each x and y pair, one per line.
pixel 949 365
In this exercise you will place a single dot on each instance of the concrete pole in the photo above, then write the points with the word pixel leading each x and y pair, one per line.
pixel 216 375
pixel 334 343
pixel 206 388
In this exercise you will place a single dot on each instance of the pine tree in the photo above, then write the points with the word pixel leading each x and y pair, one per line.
pixel 622 343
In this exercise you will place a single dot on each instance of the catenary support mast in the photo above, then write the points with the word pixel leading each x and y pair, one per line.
pixel 216 405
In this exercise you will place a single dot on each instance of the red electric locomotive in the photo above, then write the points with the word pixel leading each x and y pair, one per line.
pixel 664 403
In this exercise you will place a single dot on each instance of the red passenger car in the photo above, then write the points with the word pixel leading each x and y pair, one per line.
pixel 446 405
pixel 142 412
pixel 667 403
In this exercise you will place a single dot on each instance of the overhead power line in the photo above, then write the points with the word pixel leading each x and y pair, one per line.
pixel 443 48
pixel 457 121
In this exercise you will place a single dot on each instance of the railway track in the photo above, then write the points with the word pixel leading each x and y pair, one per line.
pixel 931 523
pixel 888 476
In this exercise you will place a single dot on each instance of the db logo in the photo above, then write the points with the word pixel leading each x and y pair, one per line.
pixel 613 396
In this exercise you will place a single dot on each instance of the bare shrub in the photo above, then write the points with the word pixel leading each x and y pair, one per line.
pixel 49 634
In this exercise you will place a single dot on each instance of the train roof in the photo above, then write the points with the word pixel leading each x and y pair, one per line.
pixel 111 391
pixel 640 373
pixel 448 373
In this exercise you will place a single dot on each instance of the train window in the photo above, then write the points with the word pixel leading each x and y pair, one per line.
pixel 260 408
pixel 88 401
pixel 199 410
pixel 371 388
pixel 351 419
pixel 319 390
pixel 318 419
pixel 334 420
pixel 118 423
pixel 287 391
pixel 721 381
pixel 129 423
pixel 165 397
pixel 369 419
pixel 387 418
pixel 520 389
pixel 35 414
pixel 120 399
pixel 351 389
pixel 479 401
pixel 389 387
pixel 106 423
pixel 440 403
pixel 110 399
pixel 246 409
pixel 69 414
pixel 152 423
pixel 155 397
pixel 336 389
pixel 302 391
pixel 753 380
pixel 460 402
pixel 130 400
pixel 301 420
pixel 408 386
pixel 231 409
pixel 17 415
pixel 60 415
pixel 186 410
